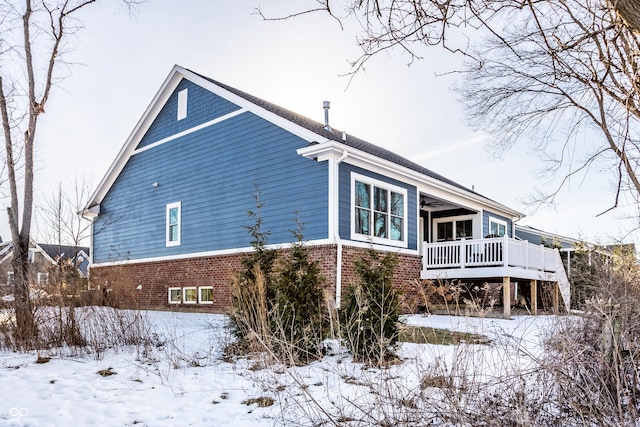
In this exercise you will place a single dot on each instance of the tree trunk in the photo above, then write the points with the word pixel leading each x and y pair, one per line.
pixel 25 324
pixel 629 12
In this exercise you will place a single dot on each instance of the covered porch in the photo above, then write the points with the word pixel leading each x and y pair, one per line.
pixel 497 257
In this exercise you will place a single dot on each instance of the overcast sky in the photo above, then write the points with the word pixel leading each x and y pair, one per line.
pixel 121 60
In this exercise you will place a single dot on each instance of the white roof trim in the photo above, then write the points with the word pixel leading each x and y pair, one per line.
pixel 318 150
pixel 156 105
pixel 234 251
pixel 324 150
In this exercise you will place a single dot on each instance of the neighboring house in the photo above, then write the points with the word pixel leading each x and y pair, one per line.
pixel 540 237
pixel 570 246
pixel 172 209
pixel 43 259
pixel 77 256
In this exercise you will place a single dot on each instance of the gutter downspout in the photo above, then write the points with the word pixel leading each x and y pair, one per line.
pixel 336 227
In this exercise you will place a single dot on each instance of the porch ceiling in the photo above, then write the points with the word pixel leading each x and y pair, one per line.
pixel 429 202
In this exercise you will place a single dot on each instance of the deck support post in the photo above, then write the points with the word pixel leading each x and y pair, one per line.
pixel 506 297
pixel 534 297
pixel 556 298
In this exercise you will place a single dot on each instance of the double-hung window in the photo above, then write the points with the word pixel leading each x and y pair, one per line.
pixel 379 212
pixel 173 224
pixel 497 227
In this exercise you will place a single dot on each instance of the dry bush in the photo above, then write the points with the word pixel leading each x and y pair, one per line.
pixel 495 387
pixel 69 330
pixel 586 373
pixel 249 313
pixel 480 302
pixel 370 314
pixel 452 297
pixel 596 358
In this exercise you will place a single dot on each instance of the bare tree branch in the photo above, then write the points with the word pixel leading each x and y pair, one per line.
pixel 39 28
pixel 539 71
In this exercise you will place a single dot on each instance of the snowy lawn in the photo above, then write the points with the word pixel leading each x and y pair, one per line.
pixel 185 381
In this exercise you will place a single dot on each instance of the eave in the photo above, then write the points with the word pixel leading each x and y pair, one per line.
pixel 330 149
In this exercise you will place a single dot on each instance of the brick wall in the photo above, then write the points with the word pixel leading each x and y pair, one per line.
pixel 407 269
pixel 120 283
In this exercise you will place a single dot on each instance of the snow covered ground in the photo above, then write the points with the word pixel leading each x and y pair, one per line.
pixel 185 382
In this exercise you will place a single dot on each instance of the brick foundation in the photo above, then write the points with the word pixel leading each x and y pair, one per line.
pixel 119 284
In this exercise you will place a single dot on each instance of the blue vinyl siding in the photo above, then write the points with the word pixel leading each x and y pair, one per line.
pixel 536 238
pixel 485 223
pixel 202 106
pixel 345 202
pixel 214 173
pixel 532 238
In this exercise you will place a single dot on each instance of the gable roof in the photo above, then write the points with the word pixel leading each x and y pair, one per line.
pixel 336 134
pixel 311 130
pixel 79 255
pixel 65 251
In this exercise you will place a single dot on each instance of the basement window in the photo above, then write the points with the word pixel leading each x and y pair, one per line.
pixel 190 295
pixel 205 295
pixel 175 295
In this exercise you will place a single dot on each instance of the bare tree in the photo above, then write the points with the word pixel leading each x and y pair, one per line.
pixel 536 69
pixel 33 36
pixel 59 219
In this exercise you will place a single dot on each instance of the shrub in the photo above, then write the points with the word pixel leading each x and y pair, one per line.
pixel 252 293
pixel 297 318
pixel 279 311
pixel 371 312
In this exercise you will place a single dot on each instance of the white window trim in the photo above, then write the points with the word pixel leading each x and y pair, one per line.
pixel 499 222
pixel 184 295
pixel 167 228
pixel 169 295
pixel 43 278
pixel 380 184
pixel 182 104
pixel 437 221
pixel 200 289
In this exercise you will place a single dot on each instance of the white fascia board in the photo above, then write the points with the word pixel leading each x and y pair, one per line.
pixel 253 108
pixel 44 254
pixel 373 163
pixel 220 252
pixel 89 213
pixel 485 272
pixel 157 103
pixel 323 151
pixel 542 233
pixel 235 251
pixel 154 107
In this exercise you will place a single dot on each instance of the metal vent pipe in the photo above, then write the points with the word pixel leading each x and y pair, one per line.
pixel 326 106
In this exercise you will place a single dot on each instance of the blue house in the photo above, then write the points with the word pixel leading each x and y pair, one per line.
pixel 169 216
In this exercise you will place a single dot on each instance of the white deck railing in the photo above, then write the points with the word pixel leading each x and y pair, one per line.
pixel 491 252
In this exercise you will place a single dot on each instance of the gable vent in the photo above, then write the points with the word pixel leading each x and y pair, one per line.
pixel 182 104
